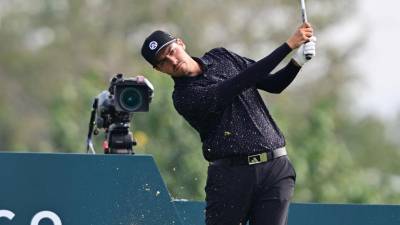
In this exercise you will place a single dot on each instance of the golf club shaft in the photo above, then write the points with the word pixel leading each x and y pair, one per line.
pixel 305 20
pixel 303 11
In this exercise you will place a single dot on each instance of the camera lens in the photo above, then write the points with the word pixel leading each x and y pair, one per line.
pixel 131 99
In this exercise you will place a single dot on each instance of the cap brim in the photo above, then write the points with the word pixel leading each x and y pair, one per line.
pixel 164 45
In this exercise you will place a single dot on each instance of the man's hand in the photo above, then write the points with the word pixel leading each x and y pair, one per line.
pixel 300 36
pixel 305 49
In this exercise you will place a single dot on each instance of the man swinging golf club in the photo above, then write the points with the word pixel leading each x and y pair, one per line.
pixel 250 177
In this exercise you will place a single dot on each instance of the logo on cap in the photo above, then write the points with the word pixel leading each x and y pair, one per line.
pixel 153 45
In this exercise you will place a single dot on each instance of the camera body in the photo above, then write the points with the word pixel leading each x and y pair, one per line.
pixel 113 112
pixel 130 95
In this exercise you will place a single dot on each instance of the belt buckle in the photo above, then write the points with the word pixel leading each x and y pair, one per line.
pixel 258 158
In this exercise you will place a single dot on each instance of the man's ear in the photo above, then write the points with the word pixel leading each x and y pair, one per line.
pixel 181 43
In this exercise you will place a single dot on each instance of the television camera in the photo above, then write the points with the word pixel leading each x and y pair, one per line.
pixel 113 111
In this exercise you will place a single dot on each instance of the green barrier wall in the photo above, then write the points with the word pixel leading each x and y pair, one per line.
pixel 313 214
pixel 75 189
pixel 83 190
pixel 340 214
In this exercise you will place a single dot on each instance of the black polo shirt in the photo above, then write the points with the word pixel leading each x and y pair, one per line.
pixel 224 106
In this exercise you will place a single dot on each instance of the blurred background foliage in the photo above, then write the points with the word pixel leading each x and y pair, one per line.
pixel 57 55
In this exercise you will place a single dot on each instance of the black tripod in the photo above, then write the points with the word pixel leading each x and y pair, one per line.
pixel 118 138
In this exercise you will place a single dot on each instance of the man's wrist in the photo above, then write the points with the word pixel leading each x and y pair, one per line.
pixel 290 44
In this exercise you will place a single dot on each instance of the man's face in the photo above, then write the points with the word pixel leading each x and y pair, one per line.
pixel 173 60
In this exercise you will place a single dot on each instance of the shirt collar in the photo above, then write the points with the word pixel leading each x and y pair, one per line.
pixel 204 61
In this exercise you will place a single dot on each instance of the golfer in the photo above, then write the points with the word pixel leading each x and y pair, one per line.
pixel 250 177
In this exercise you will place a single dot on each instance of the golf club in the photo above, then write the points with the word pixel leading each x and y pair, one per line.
pixel 304 18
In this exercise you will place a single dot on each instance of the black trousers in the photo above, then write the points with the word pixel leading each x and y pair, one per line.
pixel 258 193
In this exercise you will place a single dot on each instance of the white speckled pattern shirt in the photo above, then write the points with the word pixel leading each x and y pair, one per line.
pixel 224 106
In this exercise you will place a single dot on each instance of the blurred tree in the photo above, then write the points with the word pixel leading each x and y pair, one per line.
pixel 56 56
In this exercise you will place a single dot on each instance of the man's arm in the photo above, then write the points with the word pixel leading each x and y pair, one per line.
pixel 279 81
pixel 214 98
pixel 230 88
pixel 273 83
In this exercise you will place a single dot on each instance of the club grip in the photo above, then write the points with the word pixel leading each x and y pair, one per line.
pixel 308 56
